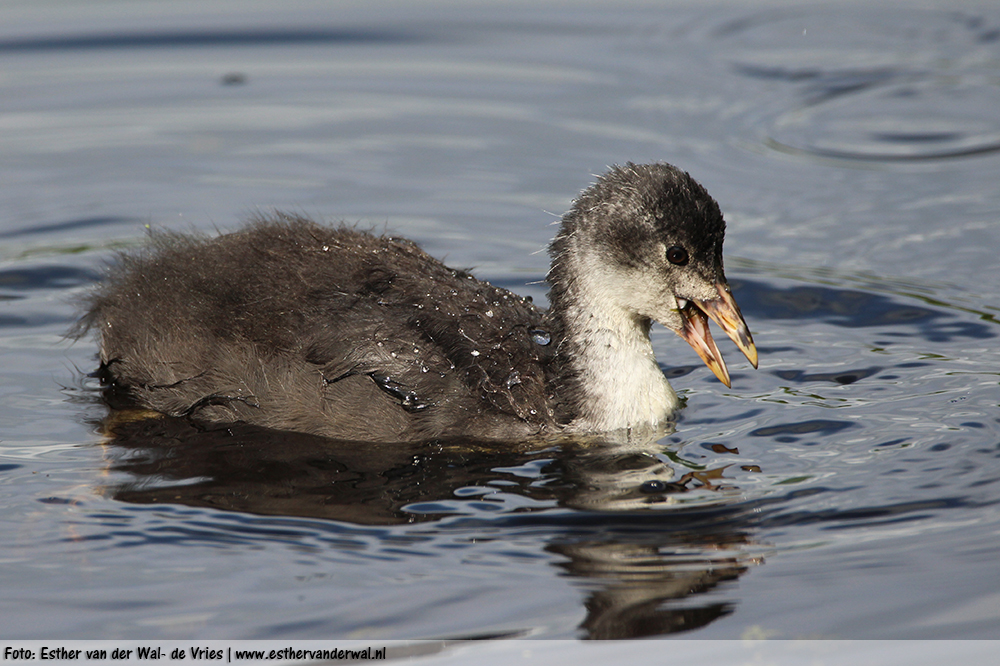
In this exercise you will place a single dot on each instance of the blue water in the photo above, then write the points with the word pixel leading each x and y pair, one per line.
pixel 846 489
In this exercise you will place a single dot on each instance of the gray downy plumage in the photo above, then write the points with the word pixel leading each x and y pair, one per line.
pixel 292 325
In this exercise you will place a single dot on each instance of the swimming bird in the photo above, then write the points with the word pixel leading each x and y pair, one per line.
pixel 293 325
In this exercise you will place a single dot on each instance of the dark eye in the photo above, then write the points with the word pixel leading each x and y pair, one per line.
pixel 677 255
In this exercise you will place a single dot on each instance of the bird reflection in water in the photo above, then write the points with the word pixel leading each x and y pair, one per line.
pixel 642 556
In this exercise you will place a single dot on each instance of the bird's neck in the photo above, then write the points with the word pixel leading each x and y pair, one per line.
pixel 608 371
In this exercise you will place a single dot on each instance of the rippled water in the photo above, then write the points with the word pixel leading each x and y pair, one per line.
pixel 848 488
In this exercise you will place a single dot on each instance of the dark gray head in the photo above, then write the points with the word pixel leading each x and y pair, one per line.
pixel 646 240
pixel 633 208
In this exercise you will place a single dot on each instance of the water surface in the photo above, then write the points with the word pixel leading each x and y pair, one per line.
pixel 848 488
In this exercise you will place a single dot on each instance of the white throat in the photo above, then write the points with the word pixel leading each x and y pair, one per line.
pixel 622 384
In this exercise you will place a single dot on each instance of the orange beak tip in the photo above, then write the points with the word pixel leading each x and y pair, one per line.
pixel 726 314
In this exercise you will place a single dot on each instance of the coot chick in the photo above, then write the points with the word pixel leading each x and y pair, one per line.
pixel 291 325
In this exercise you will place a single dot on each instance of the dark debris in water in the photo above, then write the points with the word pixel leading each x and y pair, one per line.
pixel 59 500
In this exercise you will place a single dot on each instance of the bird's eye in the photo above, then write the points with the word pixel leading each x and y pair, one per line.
pixel 677 255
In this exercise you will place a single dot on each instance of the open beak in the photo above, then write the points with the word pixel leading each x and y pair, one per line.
pixel 726 314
